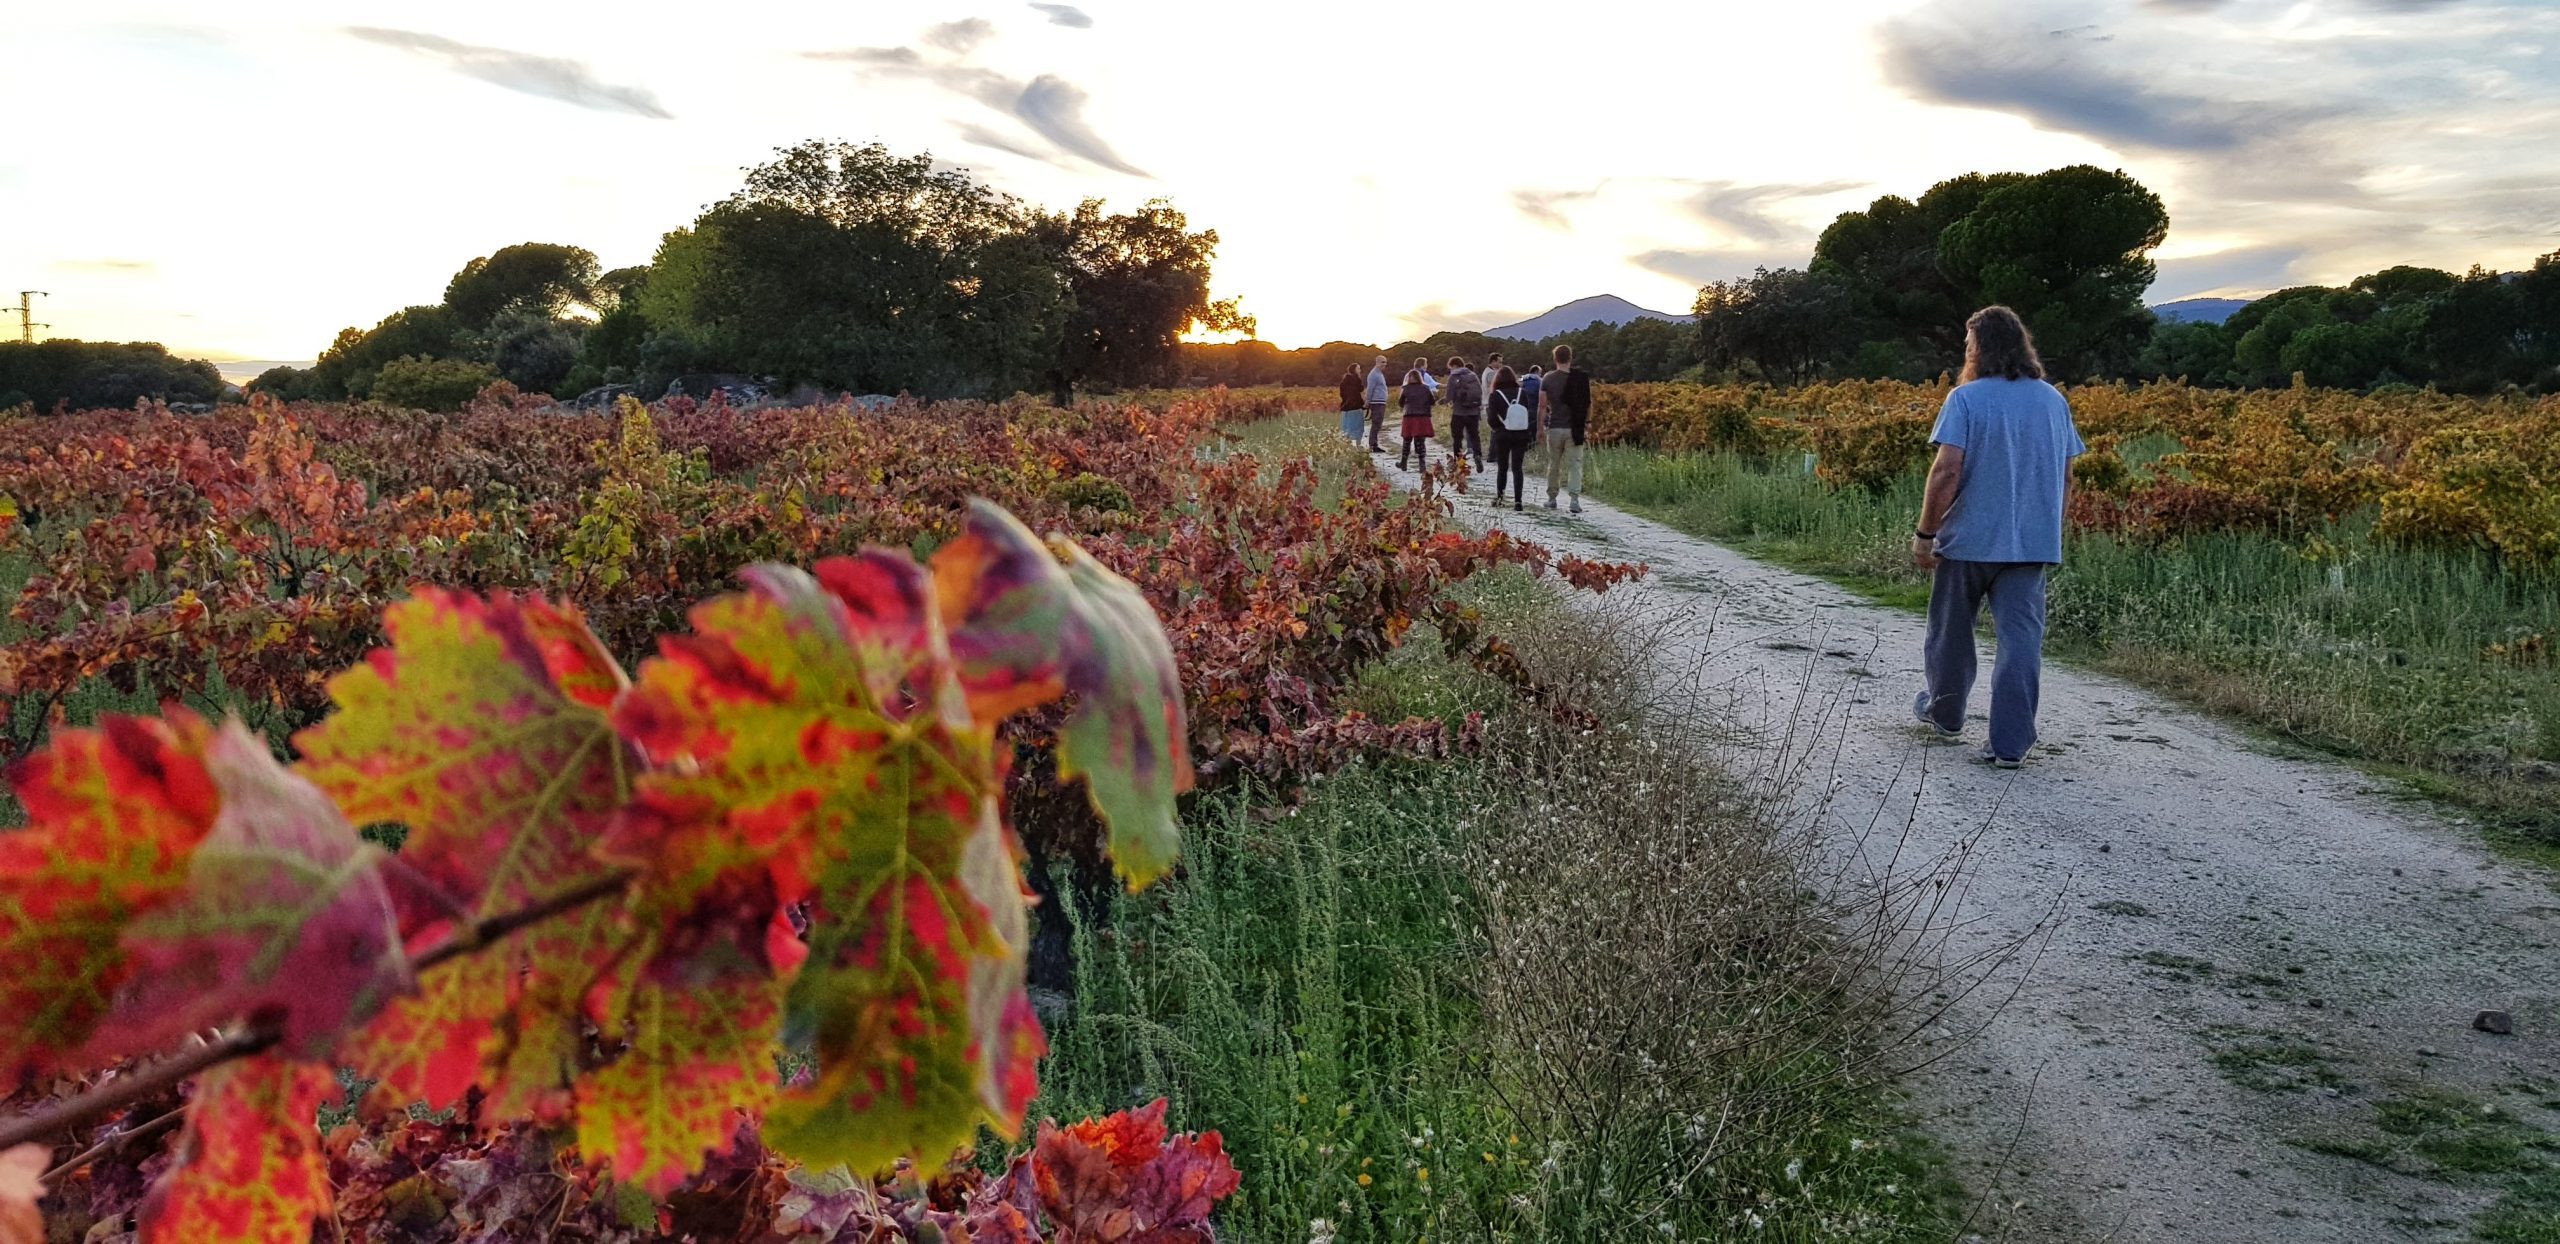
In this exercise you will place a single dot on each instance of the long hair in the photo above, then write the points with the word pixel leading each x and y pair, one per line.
pixel 1996 343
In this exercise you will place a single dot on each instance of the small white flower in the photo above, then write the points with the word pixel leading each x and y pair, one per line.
pixel 1856 1144
pixel 1795 1171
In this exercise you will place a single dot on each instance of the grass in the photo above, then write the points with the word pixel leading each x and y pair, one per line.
pixel 2266 1061
pixel 2333 642
pixel 2437 1133
pixel 1429 1001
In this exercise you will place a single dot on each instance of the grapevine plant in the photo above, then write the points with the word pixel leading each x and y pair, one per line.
pixel 621 903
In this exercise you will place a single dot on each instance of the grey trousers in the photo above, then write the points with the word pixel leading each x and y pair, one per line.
pixel 2016 593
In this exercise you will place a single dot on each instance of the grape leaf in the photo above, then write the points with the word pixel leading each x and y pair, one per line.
pixel 286 916
pixel 113 815
pixel 1118 1178
pixel 1025 627
pixel 814 722
pixel 249 1167
pixel 696 1060
pixel 482 729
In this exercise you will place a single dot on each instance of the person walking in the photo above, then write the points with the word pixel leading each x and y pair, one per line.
pixel 1354 402
pixel 1513 428
pixel 1990 527
pixel 1376 395
pixel 1418 402
pixel 1465 392
pixel 1422 368
pixel 1566 392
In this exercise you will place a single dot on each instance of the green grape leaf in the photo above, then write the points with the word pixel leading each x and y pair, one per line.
pixel 1028 622
pixel 482 729
pixel 113 815
pixel 812 728
pixel 286 917
pixel 697 1063
pixel 249 1168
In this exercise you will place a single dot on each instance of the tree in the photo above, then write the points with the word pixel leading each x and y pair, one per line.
pixel 1887 258
pixel 845 266
pixel 536 278
pixel 347 368
pixel 534 352
pixel 94 374
pixel 430 384
pixel 1140 281
pixel 2473 335
pixel 2069 251
pixel 1785 323
pixel 2197 351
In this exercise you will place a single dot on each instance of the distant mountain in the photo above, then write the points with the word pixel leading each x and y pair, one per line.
pixel 1579 313
pixel 2198 310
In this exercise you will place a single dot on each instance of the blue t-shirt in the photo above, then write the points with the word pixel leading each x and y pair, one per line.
pixel 2018 444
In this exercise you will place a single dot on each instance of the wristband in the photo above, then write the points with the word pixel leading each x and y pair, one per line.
pixel 1925 535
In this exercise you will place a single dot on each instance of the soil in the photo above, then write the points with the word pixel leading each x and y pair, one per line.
pixel 2213 959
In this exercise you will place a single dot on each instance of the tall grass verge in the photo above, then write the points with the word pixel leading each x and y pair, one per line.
pixel 2439 665
pixel 1582 986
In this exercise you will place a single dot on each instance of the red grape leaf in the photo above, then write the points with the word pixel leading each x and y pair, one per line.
pixel 697 1059
pixel 482 729
pixel 1118 1179
pixel 812 728
pixel 112 816
pixel 1025 627
pixel 249 1168
pixel 285 916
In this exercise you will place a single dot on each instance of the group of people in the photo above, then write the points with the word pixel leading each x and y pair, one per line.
pixel 1535 407
pixel 1990 522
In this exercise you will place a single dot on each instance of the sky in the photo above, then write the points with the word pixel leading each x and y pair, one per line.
pixel 240 181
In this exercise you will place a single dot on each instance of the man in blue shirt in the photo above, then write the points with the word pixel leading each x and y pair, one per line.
pixel 1990 526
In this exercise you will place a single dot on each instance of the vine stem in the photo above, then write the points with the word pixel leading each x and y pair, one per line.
pixel 260 1036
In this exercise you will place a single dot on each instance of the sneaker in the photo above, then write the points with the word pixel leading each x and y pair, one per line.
pixel 1996 760
pixel 1551 503
pixel 1920 713
pixel 1577 505
pixel 1515 506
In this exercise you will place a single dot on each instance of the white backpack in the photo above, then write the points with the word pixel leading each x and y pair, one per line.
pixel 1515 419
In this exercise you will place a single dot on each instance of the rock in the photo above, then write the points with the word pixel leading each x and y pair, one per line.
pixel 2495 1023
pixel 2426 1051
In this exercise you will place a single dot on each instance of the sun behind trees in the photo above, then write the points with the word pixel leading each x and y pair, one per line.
pixel 835 265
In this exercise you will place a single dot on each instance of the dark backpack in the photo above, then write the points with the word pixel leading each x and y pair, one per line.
pixel 1466 389
pixel 1575 399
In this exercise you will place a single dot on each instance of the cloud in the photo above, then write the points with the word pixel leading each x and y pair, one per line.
pixel 1746 211
pixel 1433 317
pixel 2045 77
pixel 1697 267
pixel 111 267
pixel 961 37
pixel 1545 206
pixel 550 77
pixel 2242 269
pixel 1049 106
pixel 1065 15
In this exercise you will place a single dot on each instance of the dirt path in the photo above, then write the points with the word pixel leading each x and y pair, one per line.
pixel 2229 958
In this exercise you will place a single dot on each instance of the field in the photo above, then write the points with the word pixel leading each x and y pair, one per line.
pixel 2376 577
pixel 1366 974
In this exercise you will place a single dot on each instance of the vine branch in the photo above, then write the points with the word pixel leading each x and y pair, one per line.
pixel 259 1036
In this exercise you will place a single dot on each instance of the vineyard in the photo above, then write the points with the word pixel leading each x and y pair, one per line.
pixel 2167 460
pixel 2376 576
pixel 615 928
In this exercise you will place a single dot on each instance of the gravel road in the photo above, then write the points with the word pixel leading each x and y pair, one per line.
pixel 2220 958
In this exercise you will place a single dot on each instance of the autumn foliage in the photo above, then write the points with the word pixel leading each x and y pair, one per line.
pixel 700 894
pixel 2433 469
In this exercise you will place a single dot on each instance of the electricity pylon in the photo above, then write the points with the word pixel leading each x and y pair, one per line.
pixel 27 322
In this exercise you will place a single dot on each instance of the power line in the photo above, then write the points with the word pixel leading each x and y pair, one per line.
pixel 27 322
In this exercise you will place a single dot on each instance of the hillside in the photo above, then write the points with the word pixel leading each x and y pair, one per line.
pixel 2194 310
pixel 1579 313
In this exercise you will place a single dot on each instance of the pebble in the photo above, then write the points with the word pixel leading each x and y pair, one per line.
pixel 2495 1023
